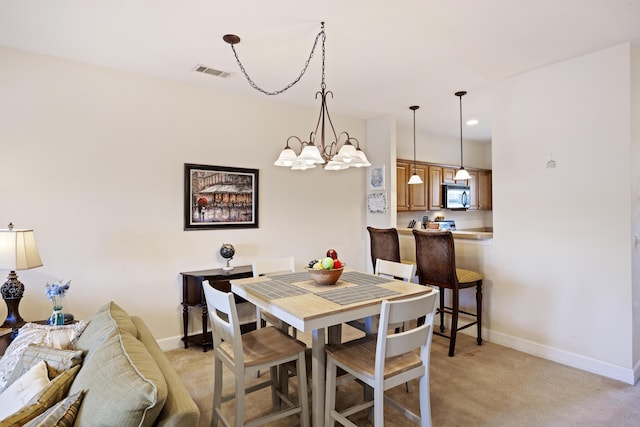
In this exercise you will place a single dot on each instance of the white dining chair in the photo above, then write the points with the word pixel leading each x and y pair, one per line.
pixel 264 266
pixel 244 355
pixel 391 269
pixel 384 361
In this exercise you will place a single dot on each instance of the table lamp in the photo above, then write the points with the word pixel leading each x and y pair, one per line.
pixel 18 251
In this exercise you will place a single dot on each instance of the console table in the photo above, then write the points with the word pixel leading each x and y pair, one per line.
pixel 193 296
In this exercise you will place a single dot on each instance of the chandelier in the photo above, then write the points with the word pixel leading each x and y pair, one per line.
pixel 324 145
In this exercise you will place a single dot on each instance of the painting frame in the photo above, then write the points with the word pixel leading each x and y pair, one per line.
pixel 220 197
pixel 376 178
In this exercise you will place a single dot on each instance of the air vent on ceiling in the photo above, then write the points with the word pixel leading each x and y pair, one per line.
pixel 206 70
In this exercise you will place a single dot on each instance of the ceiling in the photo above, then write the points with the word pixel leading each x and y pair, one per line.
pixel 381 56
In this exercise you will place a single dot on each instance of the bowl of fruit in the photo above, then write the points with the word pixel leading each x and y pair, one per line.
pixel 326 271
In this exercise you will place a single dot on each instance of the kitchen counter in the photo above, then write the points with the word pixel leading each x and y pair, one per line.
pixel 484 233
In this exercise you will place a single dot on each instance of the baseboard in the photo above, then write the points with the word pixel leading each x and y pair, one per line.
pixel 626 375
pixel 171 343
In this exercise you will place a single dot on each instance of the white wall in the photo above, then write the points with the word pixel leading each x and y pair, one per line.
pixel 562 247
pixel 635 198
pixel 93 162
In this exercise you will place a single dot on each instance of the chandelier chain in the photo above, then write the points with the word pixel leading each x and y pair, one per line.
pixel 304 70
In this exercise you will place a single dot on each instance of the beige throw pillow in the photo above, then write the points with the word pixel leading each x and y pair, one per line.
pixel 63 336
pixel 20 392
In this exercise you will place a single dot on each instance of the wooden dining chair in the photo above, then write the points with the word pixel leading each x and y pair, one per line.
pixel 265 348
pixel 264 266
pixel 436 265
pixel 384 361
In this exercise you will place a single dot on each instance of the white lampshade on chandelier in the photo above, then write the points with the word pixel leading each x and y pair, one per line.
pixel 325 146
pixel 415 178
pixel 462 173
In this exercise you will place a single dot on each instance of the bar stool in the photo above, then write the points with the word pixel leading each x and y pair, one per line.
pixel 385 244
pixel 436 262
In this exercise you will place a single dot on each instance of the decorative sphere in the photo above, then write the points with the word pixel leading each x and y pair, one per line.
pixel 227 251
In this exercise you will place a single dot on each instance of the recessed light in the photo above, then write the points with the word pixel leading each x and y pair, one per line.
pixel 472 122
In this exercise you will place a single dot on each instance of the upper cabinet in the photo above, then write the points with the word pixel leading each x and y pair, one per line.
pixel 411 197
pixel 428 196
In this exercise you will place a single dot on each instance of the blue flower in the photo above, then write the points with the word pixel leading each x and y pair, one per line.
pixel 57 290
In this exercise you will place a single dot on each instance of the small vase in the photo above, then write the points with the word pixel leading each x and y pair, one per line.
pixel 57 317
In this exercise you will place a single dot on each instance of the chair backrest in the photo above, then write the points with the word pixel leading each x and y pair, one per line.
pixel 435 258
pixel 273 265
pixel 391 343
pixel 394 269
pixel 224 320
pixel 385 244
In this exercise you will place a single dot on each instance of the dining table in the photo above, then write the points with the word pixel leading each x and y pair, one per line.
pixel 297 300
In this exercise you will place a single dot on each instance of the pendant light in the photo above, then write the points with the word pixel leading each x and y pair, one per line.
pixel 415 178
pixel 462 173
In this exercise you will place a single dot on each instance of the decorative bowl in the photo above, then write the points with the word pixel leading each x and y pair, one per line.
pixel 325 277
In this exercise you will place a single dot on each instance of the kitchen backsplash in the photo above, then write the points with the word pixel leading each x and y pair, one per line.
pixel 464 219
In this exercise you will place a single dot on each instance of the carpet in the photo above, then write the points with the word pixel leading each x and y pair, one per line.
pixel 488 385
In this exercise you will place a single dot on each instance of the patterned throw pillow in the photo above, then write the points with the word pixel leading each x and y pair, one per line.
pixel 58 360
pixel 54 392
pixel 63 336
pixel 62 414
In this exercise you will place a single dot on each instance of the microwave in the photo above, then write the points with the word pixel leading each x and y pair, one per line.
pixel 455 196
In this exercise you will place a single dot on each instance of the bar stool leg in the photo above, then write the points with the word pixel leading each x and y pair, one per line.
pixel 479 310
pixel 455 296
pixel 442 310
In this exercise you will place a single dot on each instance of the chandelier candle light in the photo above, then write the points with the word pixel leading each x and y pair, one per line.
pixel 462 173
pixel 323 143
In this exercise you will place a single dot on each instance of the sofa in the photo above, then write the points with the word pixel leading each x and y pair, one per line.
pixel 122 379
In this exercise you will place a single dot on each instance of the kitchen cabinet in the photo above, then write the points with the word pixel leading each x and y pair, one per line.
pixel 485 193
pixel 411 197
pixel 402 188
pixel 480 189
pixel 447 176
pixel 428 196
pixel 436 178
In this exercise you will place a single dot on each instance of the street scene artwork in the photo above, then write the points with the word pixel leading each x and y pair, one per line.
pixel 220 197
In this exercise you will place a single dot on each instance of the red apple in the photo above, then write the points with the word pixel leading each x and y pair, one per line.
pixel 332 253
pixel 337 264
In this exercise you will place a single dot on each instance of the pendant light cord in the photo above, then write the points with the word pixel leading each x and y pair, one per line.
pixel 414 108
pixel 460 95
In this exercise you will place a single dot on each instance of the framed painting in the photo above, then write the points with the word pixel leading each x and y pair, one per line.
pixel 220 197
pixel 376 178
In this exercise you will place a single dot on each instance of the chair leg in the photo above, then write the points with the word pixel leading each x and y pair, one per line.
pixel 303 397
pixel 217 391
pixel 425 401
pixel 275 385
pixel 442 310
pixel 479 310
pixel 378 405
pixel 239 399
pixel 455 307
pixel 330 396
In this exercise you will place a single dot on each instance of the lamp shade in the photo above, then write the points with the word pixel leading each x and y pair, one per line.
pixel 462 174
pixel 18 250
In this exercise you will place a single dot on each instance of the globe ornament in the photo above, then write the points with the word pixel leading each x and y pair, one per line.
pixel 227 251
